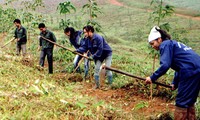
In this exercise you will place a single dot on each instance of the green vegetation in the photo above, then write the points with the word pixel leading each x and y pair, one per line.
pixel 191 4
pixel 27 93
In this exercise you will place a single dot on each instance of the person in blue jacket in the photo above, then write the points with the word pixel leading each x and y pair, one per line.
pixel 186 64
pixel 100 51
pixel 76 39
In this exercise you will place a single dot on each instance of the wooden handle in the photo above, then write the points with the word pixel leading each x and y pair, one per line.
pixel 7 43
pixel 64 47
pixel 130 75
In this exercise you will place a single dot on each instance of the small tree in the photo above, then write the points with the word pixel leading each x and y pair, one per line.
pixel 92 9
pixel 159 13
pixel 33 4
pixel 65 8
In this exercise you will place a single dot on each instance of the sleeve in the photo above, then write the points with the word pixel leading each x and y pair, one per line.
pixel 99 51
pixel 53 37
pixel 40 40
pixel 165 62
pixel 15 34
pixel 24 34
pixel 83 48
pixel 176 79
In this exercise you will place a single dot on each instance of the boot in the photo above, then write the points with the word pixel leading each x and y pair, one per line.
pixel 85 74
pixel 191 113
pixel 180 113
pixel 97 84
pixel 110 80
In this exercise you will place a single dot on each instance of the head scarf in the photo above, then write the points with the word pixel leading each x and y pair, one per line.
pixel 154 34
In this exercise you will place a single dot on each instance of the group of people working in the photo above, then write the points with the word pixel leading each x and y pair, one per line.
pixel 173 54
pixel 85 41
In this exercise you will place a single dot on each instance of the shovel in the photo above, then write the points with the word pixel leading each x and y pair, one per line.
pixel 130 75
pixel 65 48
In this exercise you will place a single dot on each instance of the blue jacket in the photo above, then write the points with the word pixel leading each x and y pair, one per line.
pixel 97 47
pixel 77 40
pixel 186 64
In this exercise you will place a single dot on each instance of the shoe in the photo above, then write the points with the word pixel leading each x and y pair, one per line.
pixel 40 68
pixel 108 87
pixel 96 87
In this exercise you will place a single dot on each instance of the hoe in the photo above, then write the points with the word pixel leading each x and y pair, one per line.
pixel 104 67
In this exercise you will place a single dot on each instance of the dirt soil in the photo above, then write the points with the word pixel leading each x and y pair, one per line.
pixel 127 98
pixel 115 2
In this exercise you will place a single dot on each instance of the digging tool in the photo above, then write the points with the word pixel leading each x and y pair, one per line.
pixel 130 75
pixel 102 75
pixel 65 48
pixel 79 63
pixel 7 43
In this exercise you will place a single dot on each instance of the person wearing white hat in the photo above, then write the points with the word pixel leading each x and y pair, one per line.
pixel 185 62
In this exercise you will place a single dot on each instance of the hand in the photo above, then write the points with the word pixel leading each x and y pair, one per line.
pixel 18 39
pixel 54 47
pixel 39 37
pixel 148 80
pixel 173 87
pixel 85 54
pixel 39 48
pixel 103 66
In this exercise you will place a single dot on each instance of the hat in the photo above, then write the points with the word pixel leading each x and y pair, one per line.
pixel 154 34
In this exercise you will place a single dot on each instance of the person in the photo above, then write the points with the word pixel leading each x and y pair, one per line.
pixel 185 62
pixel 46 47
pixel 75 38
pixel 20 35
pixel 100 51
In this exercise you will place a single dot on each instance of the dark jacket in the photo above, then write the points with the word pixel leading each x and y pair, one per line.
pixel 77 41
pixel 21 34
pixel 44 43
pixel 97 46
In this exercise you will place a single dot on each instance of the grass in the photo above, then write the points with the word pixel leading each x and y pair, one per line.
pixel 192 4
pixel 29 94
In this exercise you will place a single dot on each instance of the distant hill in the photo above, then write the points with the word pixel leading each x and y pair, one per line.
pixel 189 4
pixel 51 5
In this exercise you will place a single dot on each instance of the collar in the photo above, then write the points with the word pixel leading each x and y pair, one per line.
pixel 94 36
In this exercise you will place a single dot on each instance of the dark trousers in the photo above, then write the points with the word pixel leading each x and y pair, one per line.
pixel 49 54
pixel 19 47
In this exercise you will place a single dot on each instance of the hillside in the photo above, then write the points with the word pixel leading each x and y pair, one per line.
pixel 28 93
